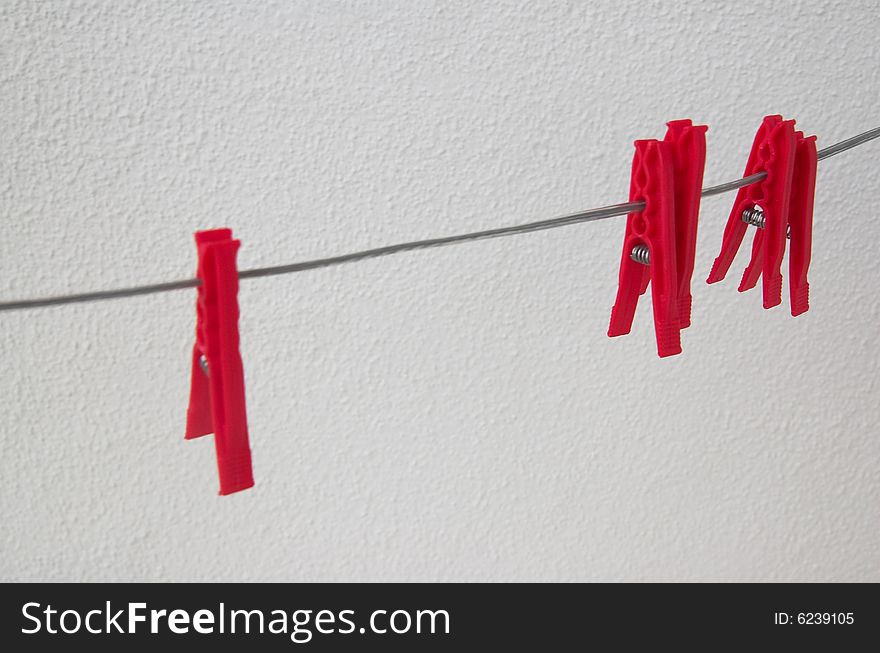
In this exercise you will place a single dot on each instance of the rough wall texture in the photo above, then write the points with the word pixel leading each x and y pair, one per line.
pixel 452 414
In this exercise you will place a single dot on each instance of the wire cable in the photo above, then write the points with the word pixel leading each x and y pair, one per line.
pixel 590 215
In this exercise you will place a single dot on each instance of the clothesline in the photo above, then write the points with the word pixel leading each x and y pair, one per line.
pixel 590 215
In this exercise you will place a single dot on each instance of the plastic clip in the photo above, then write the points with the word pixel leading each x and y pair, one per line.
pixel 800 222
pixel 660 242
pixel 780 206
pixel 217 398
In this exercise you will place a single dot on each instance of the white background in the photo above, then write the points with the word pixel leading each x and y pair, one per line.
pixel 456 414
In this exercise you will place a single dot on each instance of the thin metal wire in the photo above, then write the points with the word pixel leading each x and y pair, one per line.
pixel 575 218
pixel 849 143
pixel 591 215
pixel 99 295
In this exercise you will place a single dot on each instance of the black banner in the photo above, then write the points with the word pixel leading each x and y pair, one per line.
pixel 437 617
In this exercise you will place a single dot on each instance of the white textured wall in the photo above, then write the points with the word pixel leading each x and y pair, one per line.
pixel 452 414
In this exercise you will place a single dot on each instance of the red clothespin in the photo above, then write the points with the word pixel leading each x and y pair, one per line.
pixel 688 143
pixel 779 205
pixel 217 399
pixel 800 222
pixel 660 241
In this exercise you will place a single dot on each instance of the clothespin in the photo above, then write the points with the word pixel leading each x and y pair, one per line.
pixel 780 206
pixel 688 143
pixel 800 222
pixel 660 241
pixel 217 399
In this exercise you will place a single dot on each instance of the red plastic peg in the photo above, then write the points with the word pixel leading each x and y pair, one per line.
pixel 781 206
pixel 688 143
pixel 773 152
pixel 660 241
pixel 217 398
pixel 800 221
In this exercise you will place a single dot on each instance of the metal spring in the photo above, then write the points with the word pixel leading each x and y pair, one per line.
pixel 754 217
pixel 640 254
